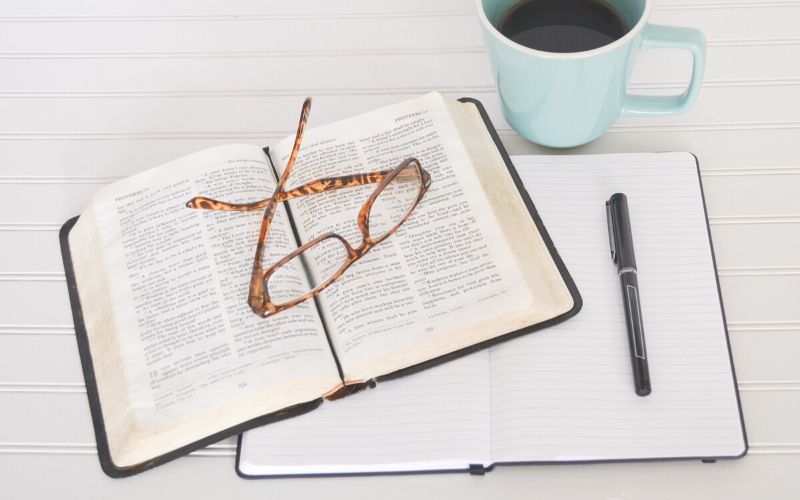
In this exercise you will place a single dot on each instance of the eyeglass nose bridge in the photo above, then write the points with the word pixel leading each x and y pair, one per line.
pixel 257 298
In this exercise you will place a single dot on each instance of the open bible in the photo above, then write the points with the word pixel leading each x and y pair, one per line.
pixel 173 357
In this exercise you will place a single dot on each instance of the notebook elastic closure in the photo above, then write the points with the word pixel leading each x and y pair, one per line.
pixel 477 470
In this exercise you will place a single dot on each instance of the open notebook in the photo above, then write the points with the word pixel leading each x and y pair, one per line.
pixel 565 394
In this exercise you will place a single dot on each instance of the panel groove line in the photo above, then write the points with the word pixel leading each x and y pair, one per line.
pixel 277 135
pixel 769 385
pixel 700 5
pixel 712 220
pixel 722 271
pixel 101 180
pixel 748 171
pixel 39 330
pixel 32 276
pixel 355 91
pixel 759 327
pixel 90 449
pixel 79 388
pixel 743 327
pixel 156 18
pixel 301 53
pixel 214 450
pixel 229 54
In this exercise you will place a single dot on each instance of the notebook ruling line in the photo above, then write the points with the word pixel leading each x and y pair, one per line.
pixel 565 394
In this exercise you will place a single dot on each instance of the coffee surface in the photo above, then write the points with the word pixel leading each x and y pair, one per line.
pixel 563 25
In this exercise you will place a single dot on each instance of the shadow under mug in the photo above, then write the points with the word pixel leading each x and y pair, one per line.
pixel 568 99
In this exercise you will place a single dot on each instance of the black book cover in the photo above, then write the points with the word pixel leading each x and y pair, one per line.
pixel 104 453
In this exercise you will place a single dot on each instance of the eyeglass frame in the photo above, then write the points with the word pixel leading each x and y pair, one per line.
pixel 258 296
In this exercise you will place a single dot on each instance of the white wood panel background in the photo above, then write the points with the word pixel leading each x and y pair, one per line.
pixel 91 91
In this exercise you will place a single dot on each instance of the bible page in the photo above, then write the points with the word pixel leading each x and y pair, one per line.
pixel 443 280
pixel 196 359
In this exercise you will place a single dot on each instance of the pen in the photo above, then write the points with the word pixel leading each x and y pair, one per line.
pixel 622 254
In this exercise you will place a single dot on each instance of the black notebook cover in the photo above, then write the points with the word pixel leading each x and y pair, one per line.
pixel 113 470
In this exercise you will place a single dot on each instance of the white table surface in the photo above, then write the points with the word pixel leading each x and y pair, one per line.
pixel 94 90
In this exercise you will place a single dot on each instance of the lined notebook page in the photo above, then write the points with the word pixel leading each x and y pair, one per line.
pixel 567 393
pixel 435 419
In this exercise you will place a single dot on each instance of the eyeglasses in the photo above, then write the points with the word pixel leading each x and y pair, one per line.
pixel 397 194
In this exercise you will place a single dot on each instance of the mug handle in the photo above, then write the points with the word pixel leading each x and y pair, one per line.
pixel 656 36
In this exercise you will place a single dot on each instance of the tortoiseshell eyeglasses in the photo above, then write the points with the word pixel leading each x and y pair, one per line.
pixel 398 192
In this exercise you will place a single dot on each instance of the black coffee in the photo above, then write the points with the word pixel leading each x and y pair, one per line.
pixel 563 25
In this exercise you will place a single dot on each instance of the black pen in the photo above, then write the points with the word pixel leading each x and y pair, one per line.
pixel 621 241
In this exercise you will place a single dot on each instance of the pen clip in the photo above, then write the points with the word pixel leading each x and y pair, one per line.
pixel 611 239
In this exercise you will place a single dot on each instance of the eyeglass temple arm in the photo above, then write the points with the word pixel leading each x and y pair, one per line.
pixel 312 187
pixel 256 298
pixel 298 139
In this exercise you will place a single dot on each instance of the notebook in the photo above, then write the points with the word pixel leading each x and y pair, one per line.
pixel 566 394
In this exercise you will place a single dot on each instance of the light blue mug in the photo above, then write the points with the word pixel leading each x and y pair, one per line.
pixel 568 99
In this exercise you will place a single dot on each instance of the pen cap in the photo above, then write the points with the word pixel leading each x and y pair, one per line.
pixel 623 237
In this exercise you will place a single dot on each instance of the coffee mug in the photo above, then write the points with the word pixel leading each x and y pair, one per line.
pixel 568 99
